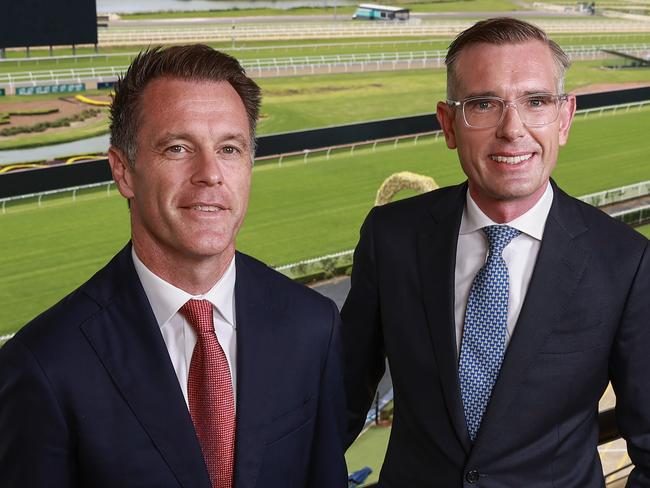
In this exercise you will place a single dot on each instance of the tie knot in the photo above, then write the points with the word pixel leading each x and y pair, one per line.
pixel 199 314
pixel 499 236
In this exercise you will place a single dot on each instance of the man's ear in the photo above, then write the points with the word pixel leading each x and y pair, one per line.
pixel 567 111
pixel 122 172
pixel 446 115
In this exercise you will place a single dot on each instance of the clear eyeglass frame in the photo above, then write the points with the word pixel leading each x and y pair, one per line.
pixel 557 99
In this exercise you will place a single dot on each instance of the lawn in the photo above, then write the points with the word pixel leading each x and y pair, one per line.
pixel 369 450
pixel 645 230
pixel 298 103
pixel 297 211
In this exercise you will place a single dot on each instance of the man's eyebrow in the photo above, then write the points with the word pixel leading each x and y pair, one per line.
pixel 173 137
pixel 241 139
pixel 169 138
pixel 482 94
pixel 523 94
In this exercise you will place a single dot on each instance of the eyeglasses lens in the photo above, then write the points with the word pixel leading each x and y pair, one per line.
pixel 533 110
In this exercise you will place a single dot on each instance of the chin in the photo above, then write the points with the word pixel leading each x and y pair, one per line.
pixel 213 249
pixel 515 190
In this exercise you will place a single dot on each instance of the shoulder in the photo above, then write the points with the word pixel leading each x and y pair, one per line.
pixel 599 228
pixel 406 218
pixel 614 250
pixel 426 202
pixel 409 213
pixel 63 320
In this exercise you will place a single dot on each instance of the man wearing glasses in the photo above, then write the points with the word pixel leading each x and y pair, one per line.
pixel 504 306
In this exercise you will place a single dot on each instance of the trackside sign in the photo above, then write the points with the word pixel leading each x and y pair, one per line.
pixel 45 89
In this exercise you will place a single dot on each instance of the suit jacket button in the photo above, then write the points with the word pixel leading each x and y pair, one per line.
pixel 472 476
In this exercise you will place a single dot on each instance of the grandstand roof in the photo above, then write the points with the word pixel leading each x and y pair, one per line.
pixel 385 8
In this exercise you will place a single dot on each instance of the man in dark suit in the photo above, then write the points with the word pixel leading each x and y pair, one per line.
pixel 504 306
pixel 182 362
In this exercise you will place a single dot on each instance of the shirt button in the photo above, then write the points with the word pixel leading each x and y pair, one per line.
pixel 472 476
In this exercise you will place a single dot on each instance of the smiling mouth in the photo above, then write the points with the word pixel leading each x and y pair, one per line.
pixel 206 208
pixel 511 159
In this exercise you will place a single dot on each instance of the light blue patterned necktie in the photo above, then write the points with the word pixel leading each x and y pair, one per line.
pixel 484 332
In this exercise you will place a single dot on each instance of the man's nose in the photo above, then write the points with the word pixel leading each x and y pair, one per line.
pixel 208 169
pixel 511 126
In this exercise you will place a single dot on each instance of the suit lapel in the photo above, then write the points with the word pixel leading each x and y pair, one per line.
pixel 127 339
pixel 558 270
pixel 436 250
pixel 259 351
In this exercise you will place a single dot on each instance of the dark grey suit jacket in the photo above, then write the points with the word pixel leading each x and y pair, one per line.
pixel 585 320
pixel 89 397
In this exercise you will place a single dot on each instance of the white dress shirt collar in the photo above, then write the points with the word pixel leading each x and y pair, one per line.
pixel 531 223
pixel 166 299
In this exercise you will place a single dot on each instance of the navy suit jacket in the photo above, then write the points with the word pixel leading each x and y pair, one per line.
pixel 89 397
pixel 585 320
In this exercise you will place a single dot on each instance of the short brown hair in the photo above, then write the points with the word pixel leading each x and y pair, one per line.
pixel 502 30
pixel 195 62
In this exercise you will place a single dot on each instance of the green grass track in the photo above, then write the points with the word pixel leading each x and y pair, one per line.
pixel 645 230
pixel 299 210
pixel 369 450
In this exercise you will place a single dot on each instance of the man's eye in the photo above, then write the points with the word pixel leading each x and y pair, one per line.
pixel 481 104
pixel 538 102
pixel 176 149
pixel 230 150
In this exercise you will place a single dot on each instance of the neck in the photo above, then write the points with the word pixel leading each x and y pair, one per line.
pixel 194 275
pixel 503 211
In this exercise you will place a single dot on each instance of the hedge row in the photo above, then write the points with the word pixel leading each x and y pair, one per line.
pixel 42 126
pixel 36 111
pixel 5 117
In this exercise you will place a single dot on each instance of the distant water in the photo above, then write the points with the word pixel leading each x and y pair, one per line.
pixel 92 145
pixel 122 6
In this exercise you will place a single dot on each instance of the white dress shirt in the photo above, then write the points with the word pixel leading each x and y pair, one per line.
pixel 179 336
pixel 520 256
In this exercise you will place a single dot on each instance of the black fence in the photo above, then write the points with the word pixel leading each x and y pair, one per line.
pixel 85 173
pixel 346 134
pixel 602 99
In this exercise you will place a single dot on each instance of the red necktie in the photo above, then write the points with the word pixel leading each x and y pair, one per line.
pixel 210 395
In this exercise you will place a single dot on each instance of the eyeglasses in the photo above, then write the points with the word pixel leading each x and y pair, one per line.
pixel 535 110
